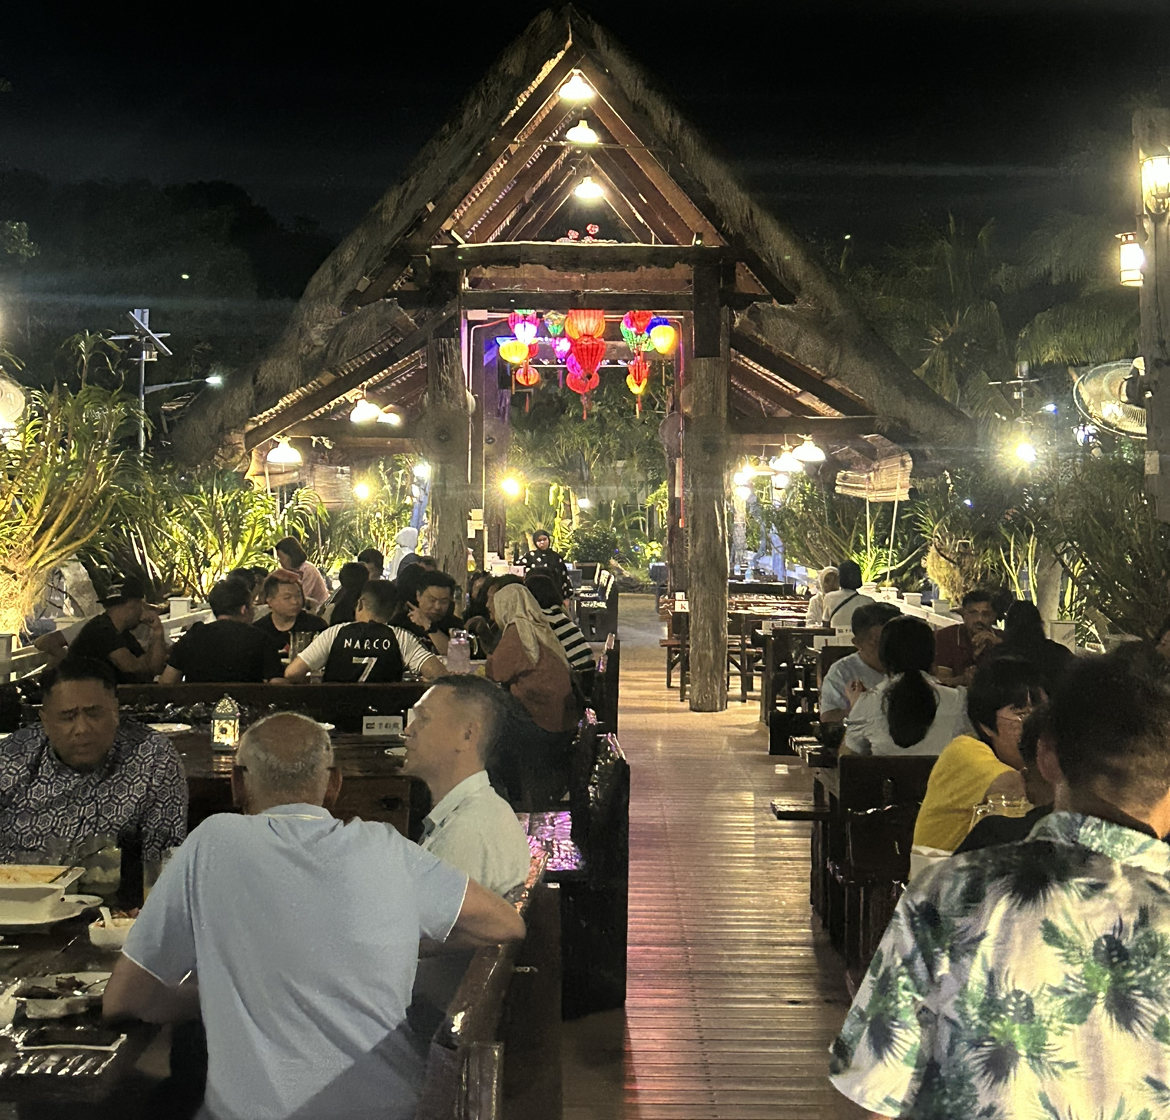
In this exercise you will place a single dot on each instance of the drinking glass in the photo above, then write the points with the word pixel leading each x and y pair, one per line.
pixel 152 869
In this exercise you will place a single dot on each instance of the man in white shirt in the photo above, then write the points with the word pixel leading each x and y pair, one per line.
pixel 451 734
pixel 304 934
pixel 848 678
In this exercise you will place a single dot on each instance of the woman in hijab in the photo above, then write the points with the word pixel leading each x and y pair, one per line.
pixel 404 545
pixel 530 662
pixel 827 581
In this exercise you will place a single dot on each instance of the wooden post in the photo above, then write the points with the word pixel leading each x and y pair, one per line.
pixel 449 451
pixel 1151 134
pixel 705 450
pixel 476 344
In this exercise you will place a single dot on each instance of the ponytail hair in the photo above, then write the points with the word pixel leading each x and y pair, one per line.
pixel 907 648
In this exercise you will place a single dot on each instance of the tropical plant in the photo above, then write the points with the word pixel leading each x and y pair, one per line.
pixel 63 471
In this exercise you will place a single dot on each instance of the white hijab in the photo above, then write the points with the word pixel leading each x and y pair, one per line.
pixel 514 605
pixel 403 546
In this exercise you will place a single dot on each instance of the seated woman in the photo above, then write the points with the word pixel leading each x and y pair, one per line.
pixel 531 664
pixel 343 602
pixel 909 712
pixel 479 623
pixel 1024 637
pixel 988 764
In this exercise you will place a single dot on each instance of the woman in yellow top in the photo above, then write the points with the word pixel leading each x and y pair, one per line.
pixel 970 770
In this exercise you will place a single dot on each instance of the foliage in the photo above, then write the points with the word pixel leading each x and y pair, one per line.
pixel 62 473
pixel 372 522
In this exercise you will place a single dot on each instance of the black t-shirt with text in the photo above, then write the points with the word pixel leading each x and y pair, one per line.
pixel 99 637
pixel 364 652
pixel 305 623
pixel 225 650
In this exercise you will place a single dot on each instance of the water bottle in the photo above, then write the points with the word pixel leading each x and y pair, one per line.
pixel 459 652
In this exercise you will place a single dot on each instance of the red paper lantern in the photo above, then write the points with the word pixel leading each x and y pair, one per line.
pixel 527 376
pixel 582 383
pixel 639 320
pixel 523 325
pixel 588 351
pixel 639 370
pixel 580 323
pixel 533 350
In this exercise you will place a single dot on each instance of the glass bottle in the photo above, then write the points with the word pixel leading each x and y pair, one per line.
pixel 459 652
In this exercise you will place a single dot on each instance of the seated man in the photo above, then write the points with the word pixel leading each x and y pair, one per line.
pixel 287 614
pixel 304 933
pixel 426 606
pixel 368 650
pixel 373 560
pixel 960 649
pixel 1033 972
pixel 80 773
pixel 108 637
pixel 549 599
pixel 227 649
pixel 848 678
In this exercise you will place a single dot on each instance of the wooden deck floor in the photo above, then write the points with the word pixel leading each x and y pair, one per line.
pixel 733 999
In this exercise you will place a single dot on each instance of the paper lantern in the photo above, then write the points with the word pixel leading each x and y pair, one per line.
pixel 636 387
pixel 639 320
pixel 573 366
pixel 639 370
pixel 561 347
pixel 523 325
pixel 554 321
pixel 579 323
pixel 629 334
pixel 533 350
pixel 656 321
pixel 588 351
pixel 514 352
pixel 582 383
pixel 527 376
pixel 664 338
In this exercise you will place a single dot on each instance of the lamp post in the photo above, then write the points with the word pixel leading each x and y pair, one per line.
pixel 150 345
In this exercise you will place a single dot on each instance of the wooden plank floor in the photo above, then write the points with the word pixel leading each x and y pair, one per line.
pixel 733 999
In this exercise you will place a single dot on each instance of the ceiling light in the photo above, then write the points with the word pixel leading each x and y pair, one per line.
pixel 787 463
pixel 588 189
pixel 808 452
pixel 364 411
pixel 284 454
pixel 361 491
pixel 581 133
pixel 1025 452
pixel 390 416
pixel 780 480
pixel 577 89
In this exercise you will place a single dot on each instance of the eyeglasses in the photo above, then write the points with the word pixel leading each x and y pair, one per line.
pixel 1017 717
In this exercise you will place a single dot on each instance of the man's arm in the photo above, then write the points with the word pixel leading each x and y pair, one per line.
pixel 298 670
pixel 171 675
pixel 432 669
pixel 153 661
pixel 484 919
pixel 134 993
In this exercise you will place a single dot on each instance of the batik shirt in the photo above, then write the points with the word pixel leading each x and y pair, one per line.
pixel 1029 981
pixel 47 807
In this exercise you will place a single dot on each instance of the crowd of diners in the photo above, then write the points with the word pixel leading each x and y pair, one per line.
pixel 317 955
pixel 1026 970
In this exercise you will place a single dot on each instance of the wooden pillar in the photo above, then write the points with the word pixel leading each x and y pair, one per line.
pixel 475 347
pixel 705 451
pixel 1151 134
pixel 449 453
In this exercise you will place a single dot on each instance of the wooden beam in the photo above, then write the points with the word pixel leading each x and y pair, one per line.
pixel 506 300
pixel 556 192
pixel 623 210
pixel 500 211
pixel 320 398
pixel 428 223
pixel 450 501
pixel 668 227
pixel 764 428
pixel 759 386
pixel 784 367
pixel 571 256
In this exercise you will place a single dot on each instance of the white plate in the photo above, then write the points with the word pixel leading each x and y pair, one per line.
pixel 169 728
pixel 69 907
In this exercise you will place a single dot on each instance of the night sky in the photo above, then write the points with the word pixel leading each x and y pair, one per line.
pixel 841 117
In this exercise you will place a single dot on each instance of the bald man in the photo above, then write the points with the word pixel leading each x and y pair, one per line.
pixel 304 932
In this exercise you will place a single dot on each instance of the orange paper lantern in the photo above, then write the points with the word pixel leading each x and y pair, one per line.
pixel 527 376
pixel 588 351
pixel 580 323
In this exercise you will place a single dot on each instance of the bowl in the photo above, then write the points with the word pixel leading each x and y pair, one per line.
pixel 113 936
pixel 28 891
pixel 66 1003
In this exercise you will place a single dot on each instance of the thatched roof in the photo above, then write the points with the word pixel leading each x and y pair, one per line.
pixel 332 328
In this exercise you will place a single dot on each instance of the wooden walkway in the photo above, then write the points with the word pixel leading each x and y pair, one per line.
pixel 733 1000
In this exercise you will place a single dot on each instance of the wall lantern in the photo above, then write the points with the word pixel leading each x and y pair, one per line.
pixel 362 491
pixel 588 190
pixel 284 454
pixel 1156 183
pixel 581 133
pixel 808 452
pixel 577 89
pixel 225 725
pixel 1131 260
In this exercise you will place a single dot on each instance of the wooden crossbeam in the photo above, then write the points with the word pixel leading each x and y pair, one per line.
pixel 785 367
pixel 505 300
pixel 760 429
pixel 324 396
pixel 495 210
pixel 571 256
pixel 761 388
pixel 341 433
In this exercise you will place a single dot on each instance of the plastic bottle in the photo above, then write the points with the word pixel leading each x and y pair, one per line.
pixel 459 652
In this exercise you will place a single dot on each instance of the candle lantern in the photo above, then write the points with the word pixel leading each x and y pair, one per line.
pixel 1131 260
pixel 225 725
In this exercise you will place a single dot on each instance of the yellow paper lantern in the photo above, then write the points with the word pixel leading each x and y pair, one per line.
pixel 514 352
pixel 665 338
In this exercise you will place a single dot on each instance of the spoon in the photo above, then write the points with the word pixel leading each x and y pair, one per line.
pixel 107 917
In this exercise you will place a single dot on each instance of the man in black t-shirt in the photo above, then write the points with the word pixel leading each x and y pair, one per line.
pixel 227 649
pixel 108 637
pixel 286 604
pixel 368 650
pixel 426 608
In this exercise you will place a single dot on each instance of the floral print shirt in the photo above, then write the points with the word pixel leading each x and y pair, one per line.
pixel 1029 981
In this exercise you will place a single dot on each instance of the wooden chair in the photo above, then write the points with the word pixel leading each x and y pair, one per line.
pixel 677 647
pixel 597 614
pixel 605 684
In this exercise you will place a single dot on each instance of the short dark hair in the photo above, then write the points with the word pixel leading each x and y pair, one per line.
pixel 353 577
pixel 416 579
pixel 229 596
pixel 1034 726
pixel 1003 682
pixel 276 581
pixel 292 548
pixel 849 573
pixel 872 614
pixel 371 556
pixel 978 595
pixel 490 699
pixel 506 580
pixel 544 591
pixel 246 576
pixel 381 598
pixel 122 590
pixel 259 572
pixel 1110 719
pixel 79 669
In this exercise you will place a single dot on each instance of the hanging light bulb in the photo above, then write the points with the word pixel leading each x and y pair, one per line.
pixel 588 190
pixel 389 415
pixel 581 133
pixel 365 411
pixel 1025 452
pixel 361 491
pixel 780 481
pixel 577 89
pixel 743 492
pixel 808 452
pixel 284 454
pixel 787 463
pixel 742 476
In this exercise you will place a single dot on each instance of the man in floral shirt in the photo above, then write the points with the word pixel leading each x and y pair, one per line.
pixel 81 773
pixel 1032 980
